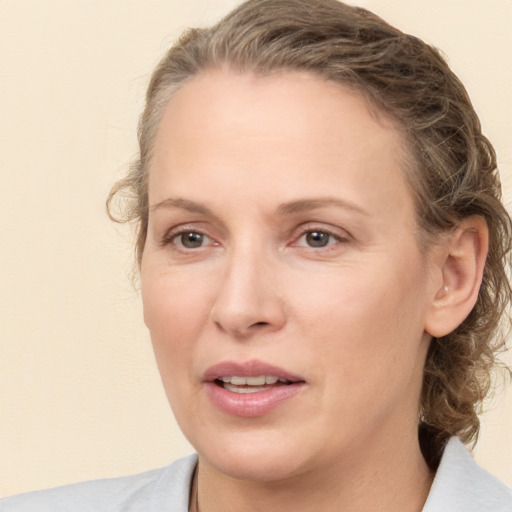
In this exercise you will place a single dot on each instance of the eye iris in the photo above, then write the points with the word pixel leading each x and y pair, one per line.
pixel 192 240
pixel 317 239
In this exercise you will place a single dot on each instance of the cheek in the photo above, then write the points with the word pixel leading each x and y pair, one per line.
pixel 172 297
pixel 175 309
pixel 349 302
pixel 367 325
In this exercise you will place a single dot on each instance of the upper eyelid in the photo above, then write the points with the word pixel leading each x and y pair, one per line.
pixel 337 232
pixel 336 239
pixel 175 214
pixel 195 226
pixel 295 234
pixel 170 234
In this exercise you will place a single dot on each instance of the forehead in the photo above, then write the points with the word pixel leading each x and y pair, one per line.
pixel 243 98
pixel 292 130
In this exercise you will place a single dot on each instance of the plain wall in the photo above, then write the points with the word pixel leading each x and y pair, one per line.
pixel 80 396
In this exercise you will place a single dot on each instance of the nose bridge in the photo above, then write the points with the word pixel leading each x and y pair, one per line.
pixel 248 299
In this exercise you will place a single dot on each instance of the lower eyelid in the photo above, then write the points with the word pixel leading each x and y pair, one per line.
pixel 170 237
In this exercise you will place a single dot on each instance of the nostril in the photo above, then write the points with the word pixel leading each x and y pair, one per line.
pixel 259 324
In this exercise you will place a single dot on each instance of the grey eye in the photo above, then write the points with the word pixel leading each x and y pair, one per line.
pixel 191 240
pixel 317 238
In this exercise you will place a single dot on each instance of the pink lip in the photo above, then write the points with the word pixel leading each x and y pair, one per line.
pixel 253 368
pixel 250 404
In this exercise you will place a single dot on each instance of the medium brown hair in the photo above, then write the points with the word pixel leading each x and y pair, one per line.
pixel 452 167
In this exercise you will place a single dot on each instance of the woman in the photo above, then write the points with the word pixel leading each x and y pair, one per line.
pixel 323 256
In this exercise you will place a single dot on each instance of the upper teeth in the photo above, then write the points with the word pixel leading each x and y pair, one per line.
pixel 252 381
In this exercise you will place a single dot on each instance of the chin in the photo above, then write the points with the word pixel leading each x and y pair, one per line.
pixel 254 468
pixel 255 458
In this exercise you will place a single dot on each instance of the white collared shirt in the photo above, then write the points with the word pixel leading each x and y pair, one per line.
pixel 460 485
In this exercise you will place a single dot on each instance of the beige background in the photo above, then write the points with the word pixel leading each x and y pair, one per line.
pixel 80 397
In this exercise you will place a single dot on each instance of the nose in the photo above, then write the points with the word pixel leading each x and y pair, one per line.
pixel 248 301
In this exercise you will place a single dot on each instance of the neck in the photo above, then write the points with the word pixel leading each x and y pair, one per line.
pixel 374 481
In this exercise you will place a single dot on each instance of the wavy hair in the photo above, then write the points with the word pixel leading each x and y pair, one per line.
pixel 452 169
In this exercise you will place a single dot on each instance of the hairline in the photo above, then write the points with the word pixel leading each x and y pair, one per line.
pixel 407 161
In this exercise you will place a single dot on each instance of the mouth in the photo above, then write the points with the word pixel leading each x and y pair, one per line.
pixel 244 385
pixel 251 389
pixel 249 376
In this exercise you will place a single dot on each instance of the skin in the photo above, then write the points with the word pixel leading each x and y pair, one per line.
pixel 351 318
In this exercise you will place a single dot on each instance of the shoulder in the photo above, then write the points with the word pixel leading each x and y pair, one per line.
pixel 153 491
pixel 460 485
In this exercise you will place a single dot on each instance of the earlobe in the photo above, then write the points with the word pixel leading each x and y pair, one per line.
pixel 461 267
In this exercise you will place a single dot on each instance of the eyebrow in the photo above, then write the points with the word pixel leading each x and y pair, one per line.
pixel 183 204
pixel 290 208
pixel 304 205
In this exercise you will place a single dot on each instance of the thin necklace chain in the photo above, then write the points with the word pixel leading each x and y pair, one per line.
pixel 194 499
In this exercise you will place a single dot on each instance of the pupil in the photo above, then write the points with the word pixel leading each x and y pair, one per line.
pixel 317 239
pixel 192 240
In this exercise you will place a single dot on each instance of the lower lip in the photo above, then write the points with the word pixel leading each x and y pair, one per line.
pixel 251 405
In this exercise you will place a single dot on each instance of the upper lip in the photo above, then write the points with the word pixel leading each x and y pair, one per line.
pixel 252 368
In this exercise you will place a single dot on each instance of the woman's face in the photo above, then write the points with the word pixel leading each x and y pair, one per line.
pixel 283 286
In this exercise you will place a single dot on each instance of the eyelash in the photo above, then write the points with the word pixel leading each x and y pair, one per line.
pixel 171 237
pixel 338 238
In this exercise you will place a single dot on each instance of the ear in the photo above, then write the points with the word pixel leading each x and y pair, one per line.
pixel 459 264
